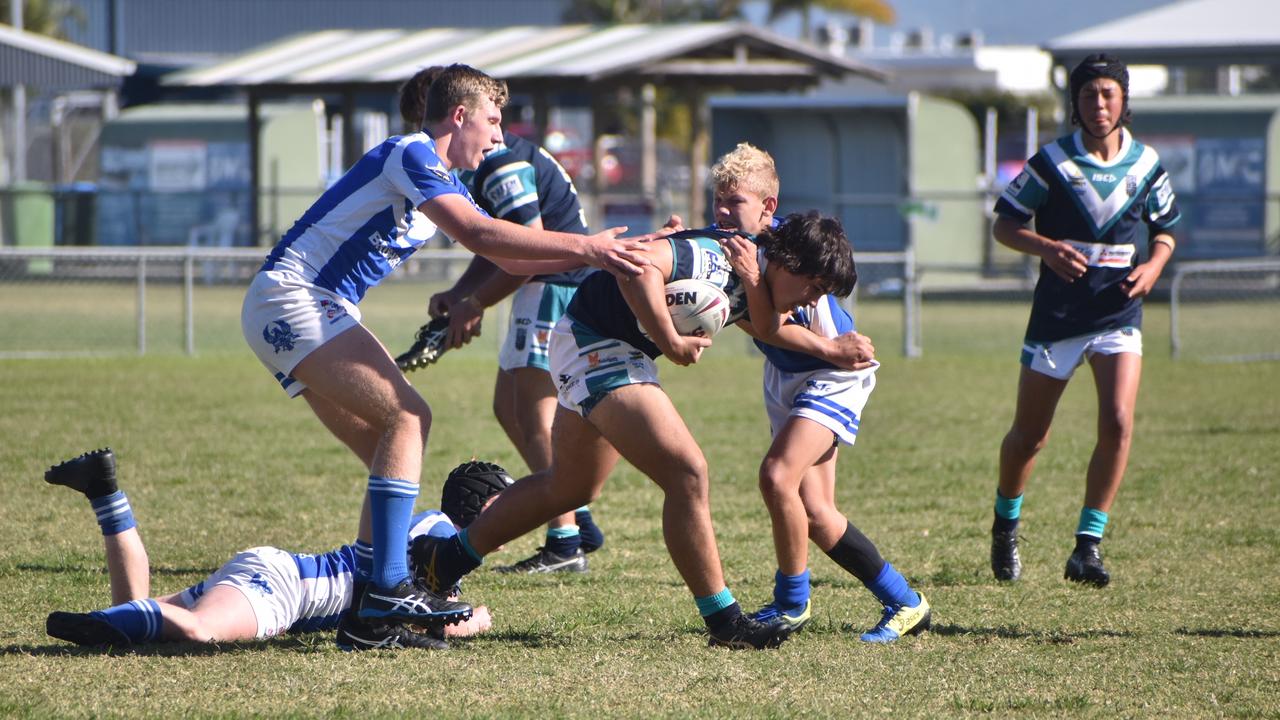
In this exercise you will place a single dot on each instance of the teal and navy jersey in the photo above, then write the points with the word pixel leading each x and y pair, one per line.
pixel 521 182
pixel 1101 207
pixel 599 305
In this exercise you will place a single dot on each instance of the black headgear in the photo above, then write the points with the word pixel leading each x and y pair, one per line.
pixel 468 487
pixel 1099 65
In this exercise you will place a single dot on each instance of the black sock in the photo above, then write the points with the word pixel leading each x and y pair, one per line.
pixel 1004 525
pixel 856 554
pixel 721 618
pixel 1084 542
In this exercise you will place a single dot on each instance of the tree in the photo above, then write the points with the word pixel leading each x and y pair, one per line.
pixel 45 17
pixel 878 10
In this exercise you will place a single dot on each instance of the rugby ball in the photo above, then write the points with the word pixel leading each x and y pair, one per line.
pixel 697 307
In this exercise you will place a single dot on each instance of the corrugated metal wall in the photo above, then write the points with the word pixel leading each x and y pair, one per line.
pixel 203 27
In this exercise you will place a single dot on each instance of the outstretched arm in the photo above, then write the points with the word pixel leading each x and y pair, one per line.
pixel 499 240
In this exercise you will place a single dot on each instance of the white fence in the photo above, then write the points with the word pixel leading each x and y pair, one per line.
pixel 1226 310
pixel 58 297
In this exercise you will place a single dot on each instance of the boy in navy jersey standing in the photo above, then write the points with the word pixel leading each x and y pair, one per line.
pixel 1091 193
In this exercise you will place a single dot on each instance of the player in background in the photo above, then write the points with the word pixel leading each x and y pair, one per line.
pixel 262 591
pixel 612 406
pixel 520 182
pixel 300 314
pixel 814 404
pixel 1091 193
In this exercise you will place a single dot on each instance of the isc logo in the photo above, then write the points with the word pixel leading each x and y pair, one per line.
pixel 682 298
pixel 1104 177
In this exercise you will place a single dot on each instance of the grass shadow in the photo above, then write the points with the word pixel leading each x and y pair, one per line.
pixel 1047 637
pixel 60 569
pixel 1228 632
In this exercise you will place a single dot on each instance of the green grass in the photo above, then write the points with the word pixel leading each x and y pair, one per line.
pixel 215 459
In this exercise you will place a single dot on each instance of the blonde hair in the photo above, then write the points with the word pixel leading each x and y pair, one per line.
pixel 746 167
pixel 461 85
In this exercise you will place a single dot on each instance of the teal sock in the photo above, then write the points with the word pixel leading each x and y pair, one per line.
pixel 1092 522
pixel 1008 508
pixel 712 604
pixel 465 540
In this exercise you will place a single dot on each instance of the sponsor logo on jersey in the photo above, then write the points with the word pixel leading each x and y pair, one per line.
pixel 1104 177
pixel 280 335
pixel 508 188
pixel 332 310
pixel 1130 185
pixel 1019 182
pixel 593 359
pixel 522 337
pixel 259 583
pixel 383 246
pixel 542 336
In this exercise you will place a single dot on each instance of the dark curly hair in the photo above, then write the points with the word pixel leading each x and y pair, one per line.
pixel 413 98
pixel 813 245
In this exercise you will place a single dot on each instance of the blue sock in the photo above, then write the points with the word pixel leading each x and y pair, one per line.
pixel 115 515
pixel 1093 523
pixel 713 604
pixel 564 541
pixel 391 503
pixel 1008 510
pixel 139 619
pixel 364 561
pixel 790 591
pixel 891 589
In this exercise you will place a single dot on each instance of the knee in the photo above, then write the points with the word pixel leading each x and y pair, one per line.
pixel 1026 442
pixel 414 416
pixel 689 482
pixel 1116 425
pixel 775 482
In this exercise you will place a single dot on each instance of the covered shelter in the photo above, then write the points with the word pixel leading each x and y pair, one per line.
pixel 30 60
pixel 539 62
pixel 1222 36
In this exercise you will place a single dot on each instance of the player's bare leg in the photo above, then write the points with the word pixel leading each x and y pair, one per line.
pixel 799 445
pixel 1116 378
pixel 1038 396
pixel 354 373
pixel 582 461
pixel 222 614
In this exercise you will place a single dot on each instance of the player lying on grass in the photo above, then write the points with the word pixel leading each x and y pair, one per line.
pixel 818 374
pixel 611 406
pixel 262 591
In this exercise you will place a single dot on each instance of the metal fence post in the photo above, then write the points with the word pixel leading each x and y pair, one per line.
pixel 142 304
pixel 188 302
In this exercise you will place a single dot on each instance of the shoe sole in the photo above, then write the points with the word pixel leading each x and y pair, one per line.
pixel 85 631
pixel 450 617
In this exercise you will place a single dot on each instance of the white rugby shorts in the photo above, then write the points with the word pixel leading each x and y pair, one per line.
pixel 285 318
pixel 832 398
pixel 585 367
pixel 1059 359
pixel 268 578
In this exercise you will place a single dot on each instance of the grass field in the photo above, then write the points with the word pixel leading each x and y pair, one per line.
pixel 215 459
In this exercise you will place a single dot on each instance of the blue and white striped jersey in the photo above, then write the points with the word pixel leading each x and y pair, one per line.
pixel 827 319
pixel 367 223
pixel 328 579
pixel 1101 208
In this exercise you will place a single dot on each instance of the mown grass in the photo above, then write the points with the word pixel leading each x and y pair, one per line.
pixel 215 459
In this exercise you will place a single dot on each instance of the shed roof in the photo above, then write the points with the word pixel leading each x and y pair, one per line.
pixel 1216 30
pixel 28 58
pixel 731 52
